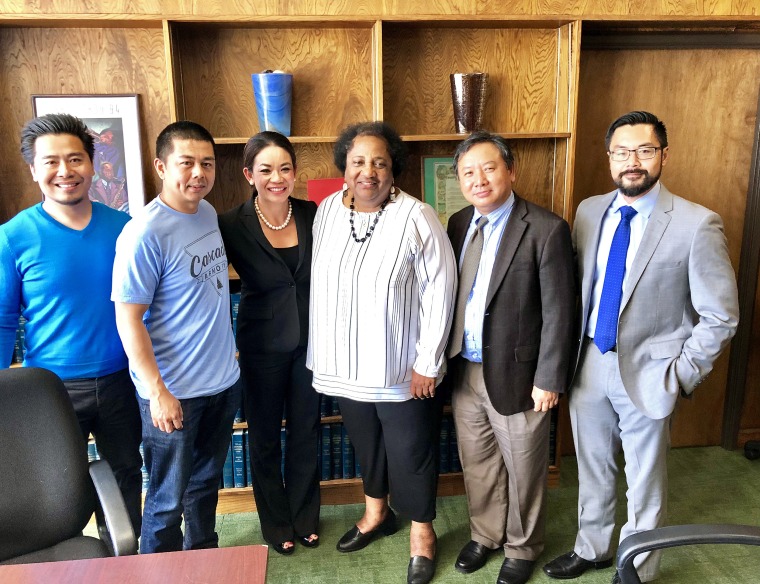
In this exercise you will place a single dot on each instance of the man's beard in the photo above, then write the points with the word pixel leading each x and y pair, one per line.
pixel 636 190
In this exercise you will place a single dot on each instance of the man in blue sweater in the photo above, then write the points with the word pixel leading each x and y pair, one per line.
pixel 56 261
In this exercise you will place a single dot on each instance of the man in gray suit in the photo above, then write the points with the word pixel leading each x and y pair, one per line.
pixel 510 349
pixel 658 305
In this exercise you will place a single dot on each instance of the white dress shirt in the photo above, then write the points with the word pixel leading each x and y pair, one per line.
pixel 472 346
pixel 644 207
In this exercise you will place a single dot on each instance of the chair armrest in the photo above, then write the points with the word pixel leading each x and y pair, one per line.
pixel 111 513
pixel 678 535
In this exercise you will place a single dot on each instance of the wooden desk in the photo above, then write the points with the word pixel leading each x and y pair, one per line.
pixel 232 565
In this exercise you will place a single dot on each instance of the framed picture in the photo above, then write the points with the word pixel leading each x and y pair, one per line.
pixel 440 187
pixel 114 123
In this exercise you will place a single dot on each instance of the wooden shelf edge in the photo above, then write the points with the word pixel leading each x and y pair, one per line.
pixel 336 492
pixel 507 135
pixel 293 139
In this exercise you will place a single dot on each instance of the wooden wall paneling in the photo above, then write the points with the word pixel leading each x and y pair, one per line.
pixel 174 87
pixel 332 76
pixel 377 70
pixel 572 33
pixel 710 140
pixel 287 7
pixel 105 7
pixel 50 60
pixel 522 68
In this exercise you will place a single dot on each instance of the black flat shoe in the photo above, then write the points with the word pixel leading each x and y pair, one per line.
pixel 306 542
pixel 421 570
pixel 278 547
pixel 354 540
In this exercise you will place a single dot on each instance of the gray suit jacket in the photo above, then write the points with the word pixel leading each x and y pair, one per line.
pixel 680 308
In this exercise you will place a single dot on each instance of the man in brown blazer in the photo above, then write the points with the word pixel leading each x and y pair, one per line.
pixel 510 351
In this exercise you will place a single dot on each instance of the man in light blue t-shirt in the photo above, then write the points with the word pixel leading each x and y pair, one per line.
pixel 56 260
pixel 172 300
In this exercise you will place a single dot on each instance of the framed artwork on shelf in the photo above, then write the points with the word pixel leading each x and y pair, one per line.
pixel 114 123
pixel 440 187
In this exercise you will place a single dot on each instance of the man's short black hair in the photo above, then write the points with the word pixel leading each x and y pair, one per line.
pixel 483 137
pixel 54 124
pixel 183 130
pixel 634 119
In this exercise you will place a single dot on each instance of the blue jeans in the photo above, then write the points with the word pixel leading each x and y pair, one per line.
pixel 106 407
pixel 185 469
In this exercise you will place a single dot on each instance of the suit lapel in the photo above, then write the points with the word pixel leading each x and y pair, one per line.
pixel 252 222
pixel 460 231
pixel 596 211
pixel 658 222
pixel 513 234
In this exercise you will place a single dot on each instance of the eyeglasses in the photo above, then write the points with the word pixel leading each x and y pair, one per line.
pixel 643 153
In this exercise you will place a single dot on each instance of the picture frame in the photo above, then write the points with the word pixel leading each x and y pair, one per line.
pixel 440 187
pixel 114 122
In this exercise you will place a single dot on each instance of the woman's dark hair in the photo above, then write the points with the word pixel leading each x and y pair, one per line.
pixel 262 140
pixel 396 148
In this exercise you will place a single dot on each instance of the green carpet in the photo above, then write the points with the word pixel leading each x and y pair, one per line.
pixel 707 485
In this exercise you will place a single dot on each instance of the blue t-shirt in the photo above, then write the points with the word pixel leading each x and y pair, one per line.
pixel 176 263
pixel 60 279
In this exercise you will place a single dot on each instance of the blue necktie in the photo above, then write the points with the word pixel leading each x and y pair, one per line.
pixel 605 335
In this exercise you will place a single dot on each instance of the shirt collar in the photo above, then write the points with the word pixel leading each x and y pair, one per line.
pixel 644 205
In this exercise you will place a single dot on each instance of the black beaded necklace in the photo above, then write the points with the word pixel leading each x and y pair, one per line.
pixel 371 229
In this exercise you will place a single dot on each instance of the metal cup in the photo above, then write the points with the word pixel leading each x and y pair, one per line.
pixel 468 95
pixel 273 93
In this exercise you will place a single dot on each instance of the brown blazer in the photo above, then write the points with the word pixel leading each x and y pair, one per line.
pixel 528 322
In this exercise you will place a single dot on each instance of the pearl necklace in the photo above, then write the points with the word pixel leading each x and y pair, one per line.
pixel 267 223
pixel 371 227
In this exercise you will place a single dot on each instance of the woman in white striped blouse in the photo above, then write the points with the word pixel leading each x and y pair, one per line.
pixel 382 297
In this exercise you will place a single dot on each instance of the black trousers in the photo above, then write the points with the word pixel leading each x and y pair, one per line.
pixel 106 407
pixel 274 382
pixel 392 441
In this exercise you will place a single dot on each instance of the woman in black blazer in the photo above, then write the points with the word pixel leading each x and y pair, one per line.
pixel 268 240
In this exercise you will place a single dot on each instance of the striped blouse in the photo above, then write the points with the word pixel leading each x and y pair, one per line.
pixel 382 307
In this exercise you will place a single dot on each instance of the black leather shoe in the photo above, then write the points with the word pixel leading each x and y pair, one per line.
pixel 616 578
pixel 514 571
pixel 306 542
pixel 354 540
pixel 420 571
pixel 472 557
pixel 571 565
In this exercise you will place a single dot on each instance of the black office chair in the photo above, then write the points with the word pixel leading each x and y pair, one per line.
pixel 49 490
pixel 678 535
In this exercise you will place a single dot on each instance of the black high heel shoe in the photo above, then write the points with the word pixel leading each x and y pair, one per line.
pixel 354 540
pixel 279 547
pixel 306 542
